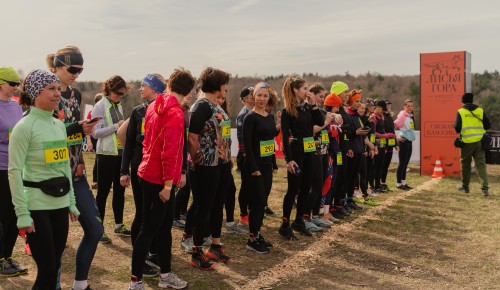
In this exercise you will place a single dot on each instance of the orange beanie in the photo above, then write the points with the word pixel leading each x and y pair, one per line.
pixel 332 100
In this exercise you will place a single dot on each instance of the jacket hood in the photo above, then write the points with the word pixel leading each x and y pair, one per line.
pixel 470 107
pixel 164 102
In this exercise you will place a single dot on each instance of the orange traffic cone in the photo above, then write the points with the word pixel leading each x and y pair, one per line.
pixel 438 169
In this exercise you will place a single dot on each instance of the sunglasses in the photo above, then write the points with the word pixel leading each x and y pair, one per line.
pixel 72 69
pixel 12 84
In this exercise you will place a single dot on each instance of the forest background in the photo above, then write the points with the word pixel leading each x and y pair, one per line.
pixel 396 88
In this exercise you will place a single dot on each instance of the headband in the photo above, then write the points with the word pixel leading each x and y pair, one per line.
pixel 261 85
pixel 36 81
pixel 68 59
pixel 154 83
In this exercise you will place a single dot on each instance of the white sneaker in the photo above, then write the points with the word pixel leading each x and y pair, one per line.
pixel 172 281
pixel 187 245
pixel 321 223
pixel 138 286
pixel 235 229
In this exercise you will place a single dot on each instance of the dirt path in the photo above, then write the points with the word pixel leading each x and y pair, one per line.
pixel 298 264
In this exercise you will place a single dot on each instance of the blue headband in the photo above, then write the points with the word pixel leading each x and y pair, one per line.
pixel 261 85
pixel 153 82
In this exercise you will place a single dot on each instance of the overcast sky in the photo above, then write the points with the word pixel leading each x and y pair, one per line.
pixel 249 37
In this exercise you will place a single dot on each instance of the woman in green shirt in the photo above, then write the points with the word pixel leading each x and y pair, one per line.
pixel 39 173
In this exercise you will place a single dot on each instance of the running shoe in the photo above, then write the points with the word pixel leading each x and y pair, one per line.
pixel 148 271
pixel 370 202
pixel 301 228
pixel 351 204
pixel 485 192
pixel 138 286
pixel 319 222
pixel 463 188
pixel 235 229
pixel 105 239
pixel 263 241
pixel 402 187
pixel 408 187
pixel 122 231
pixel 310 226
pixel 217 253
pixel 187 244
pixel 172 281
pixel 257 247
pixel 329 217
pixel 286 232
pixel 178 224
pixel 10 268
pixel 345 211
pixel 200 260
pixel 268 211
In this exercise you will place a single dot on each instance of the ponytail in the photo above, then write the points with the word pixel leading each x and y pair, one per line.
pixel 289 96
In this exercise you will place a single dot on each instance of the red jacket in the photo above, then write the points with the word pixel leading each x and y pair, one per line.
pixel 163 141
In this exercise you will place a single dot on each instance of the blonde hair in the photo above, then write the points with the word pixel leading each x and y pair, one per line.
pixel 289 95
pixel 69 49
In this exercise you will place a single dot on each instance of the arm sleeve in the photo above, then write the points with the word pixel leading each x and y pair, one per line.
pixel 101 129
pixel 318 117
pixel 285 131
pixel 18 151
pixel 74 128
pixel 128 149
pixel 185 147
pixel 171 152
pixel 400 120
pixel 248 128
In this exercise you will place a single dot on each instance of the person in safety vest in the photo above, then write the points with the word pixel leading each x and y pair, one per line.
pixel 471 123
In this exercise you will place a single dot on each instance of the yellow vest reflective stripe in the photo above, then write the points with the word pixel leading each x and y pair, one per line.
pixel 472 127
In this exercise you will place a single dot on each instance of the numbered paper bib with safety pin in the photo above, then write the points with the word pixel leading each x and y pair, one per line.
pixel 392 142
pixel 309 144
pixel 372 138
pixel 56 153
pixel 324 137
pixel 412 125
pixel 266 148
pixel 226 129
pixel 383 141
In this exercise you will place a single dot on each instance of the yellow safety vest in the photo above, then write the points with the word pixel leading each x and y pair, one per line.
pixel 472 127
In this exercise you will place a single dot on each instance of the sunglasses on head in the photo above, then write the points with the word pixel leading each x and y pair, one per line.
pixel 12 84
pixel 72 69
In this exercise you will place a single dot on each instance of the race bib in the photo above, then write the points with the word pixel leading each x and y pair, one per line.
pixel 75 139
pixel 142 127
pixel 412 125
pixel 309 144
pixel 226 129
pixel 383 141
pixel 10 132
pixel 324 137
pixel 56 153
pixel 266 148
pixel 345 137
pixel 392 142
pixel 372 138
pixel 339 158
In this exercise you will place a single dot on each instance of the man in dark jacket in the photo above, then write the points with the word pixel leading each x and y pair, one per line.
pixel 471 123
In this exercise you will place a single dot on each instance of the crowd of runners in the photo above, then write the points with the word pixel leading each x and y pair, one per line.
pixel 337 145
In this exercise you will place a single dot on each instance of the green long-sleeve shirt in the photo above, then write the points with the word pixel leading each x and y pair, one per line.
pixel 37 152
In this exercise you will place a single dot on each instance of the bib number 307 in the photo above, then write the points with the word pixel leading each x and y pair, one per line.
pixel 56 153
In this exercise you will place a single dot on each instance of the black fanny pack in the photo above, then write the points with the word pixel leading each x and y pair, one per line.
pixel 57 186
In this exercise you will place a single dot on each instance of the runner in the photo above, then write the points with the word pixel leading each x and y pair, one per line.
pixel 39 172
pixel 67 65
pixel 109 152
pixel 259 130
pixel 392 145
pixel 406 125
pixel 10 113
pixel 297 121
pixel 160 173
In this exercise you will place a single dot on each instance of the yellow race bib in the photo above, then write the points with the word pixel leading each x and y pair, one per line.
pixel 226 129
pixel 74 139
pixel 372 138
pixel 56 153
pixel 339 158
pixel 392 142
pixel 266 148
pixel 383 141
pixel 309 144
pixel 412 125
pixel 324 137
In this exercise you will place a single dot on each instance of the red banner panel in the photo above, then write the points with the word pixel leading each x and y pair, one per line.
pixel 444 78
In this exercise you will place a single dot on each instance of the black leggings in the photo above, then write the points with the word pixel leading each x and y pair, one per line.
pixel 378 166
pixel 182 198
pixel 353 165
pixel 108 173
pixel 259 186
pixel 299 185
pixel 157 218
pixel 363 174
pixel 138 201
pixel 209 191
pixel 47 244
pixel 244 194
pixel 405 150
pixel 320 172
pixel 94 169
pixel 387 163
pixel 230 199
pixel 92 228
pixel 339 189
pixel 8 219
